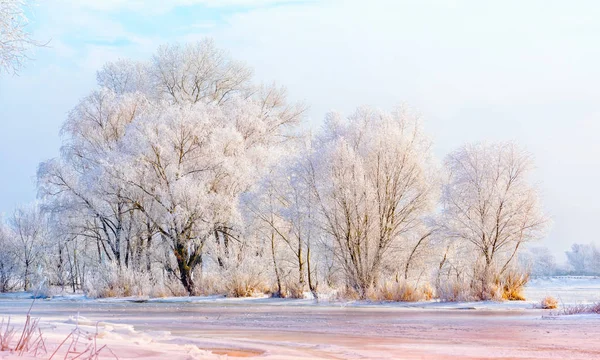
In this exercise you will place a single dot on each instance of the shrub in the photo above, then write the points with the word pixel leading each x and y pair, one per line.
pixel 294 290
pixel 454 290
pixel 347 293
pixel 512 285
pixel 549 303
pixel 245 282
pixel 399 291
pixel 110 280
pixel 582 309
pixel 427 291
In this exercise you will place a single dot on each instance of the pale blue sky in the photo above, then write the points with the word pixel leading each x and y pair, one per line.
pixel 513 70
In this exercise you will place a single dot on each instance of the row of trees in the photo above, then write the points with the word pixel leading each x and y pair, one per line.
pixel 584 259
pixel 581 259
pixel 182 171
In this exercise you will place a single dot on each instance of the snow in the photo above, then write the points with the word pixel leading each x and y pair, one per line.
pixel 217 327
pixel 568 290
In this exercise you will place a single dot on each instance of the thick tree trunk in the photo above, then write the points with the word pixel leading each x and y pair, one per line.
pixel 188 257
pixel 185 271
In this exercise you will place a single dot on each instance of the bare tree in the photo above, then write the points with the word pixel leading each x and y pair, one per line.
pixel 8 263
pixel 285 206
pixel 490 206
pixel 76 184
pixel 15 40
pixel 29 233
pixel 374 186
pixel 198 72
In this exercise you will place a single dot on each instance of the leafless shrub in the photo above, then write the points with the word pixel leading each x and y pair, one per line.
pixel 294 290
pixel 581 309
pixel 110 280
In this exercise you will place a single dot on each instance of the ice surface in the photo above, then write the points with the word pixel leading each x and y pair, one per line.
pixel 216 327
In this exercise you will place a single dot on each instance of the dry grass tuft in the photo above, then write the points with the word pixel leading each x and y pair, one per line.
pixel 294 291
pixel 549 303
pixel 397 291
pixel 512 285
pixel 30 340
pixel 81 345
pixel 348 293
pixel 454 290
pixel 244 285
pixel 427 292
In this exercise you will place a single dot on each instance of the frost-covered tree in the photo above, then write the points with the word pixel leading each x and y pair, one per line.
pixel 28 232
pixel 186 167
pixel 183 74
pixel 15 40
pixel 198 72
pixel 77 185
pixel 163 150
pixel 284 206
pixel 490 206
pixel 540 260
pixel 584 259
pixel 8 263
pixel 374 185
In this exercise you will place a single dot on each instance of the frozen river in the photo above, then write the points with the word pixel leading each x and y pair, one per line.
pixel 215 327
pixel 275 329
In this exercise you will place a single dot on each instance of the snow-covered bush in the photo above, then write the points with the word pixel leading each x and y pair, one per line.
pixel 111 280
pixel 453 289
pixel 399 291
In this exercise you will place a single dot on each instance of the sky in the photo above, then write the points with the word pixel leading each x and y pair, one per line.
pixel 524 71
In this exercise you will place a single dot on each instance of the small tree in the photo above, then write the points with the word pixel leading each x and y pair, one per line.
pixel 8 265
pixel 28 232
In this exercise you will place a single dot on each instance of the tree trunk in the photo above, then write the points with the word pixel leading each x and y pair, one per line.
pixel 26 276
pixel 185 271
pixel 278 277
pixel 311 286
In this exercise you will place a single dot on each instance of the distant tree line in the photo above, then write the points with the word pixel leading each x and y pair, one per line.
pixel 581 259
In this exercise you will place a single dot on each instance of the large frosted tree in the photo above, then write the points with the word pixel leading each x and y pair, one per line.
pixel 164 149
pixel 187 166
